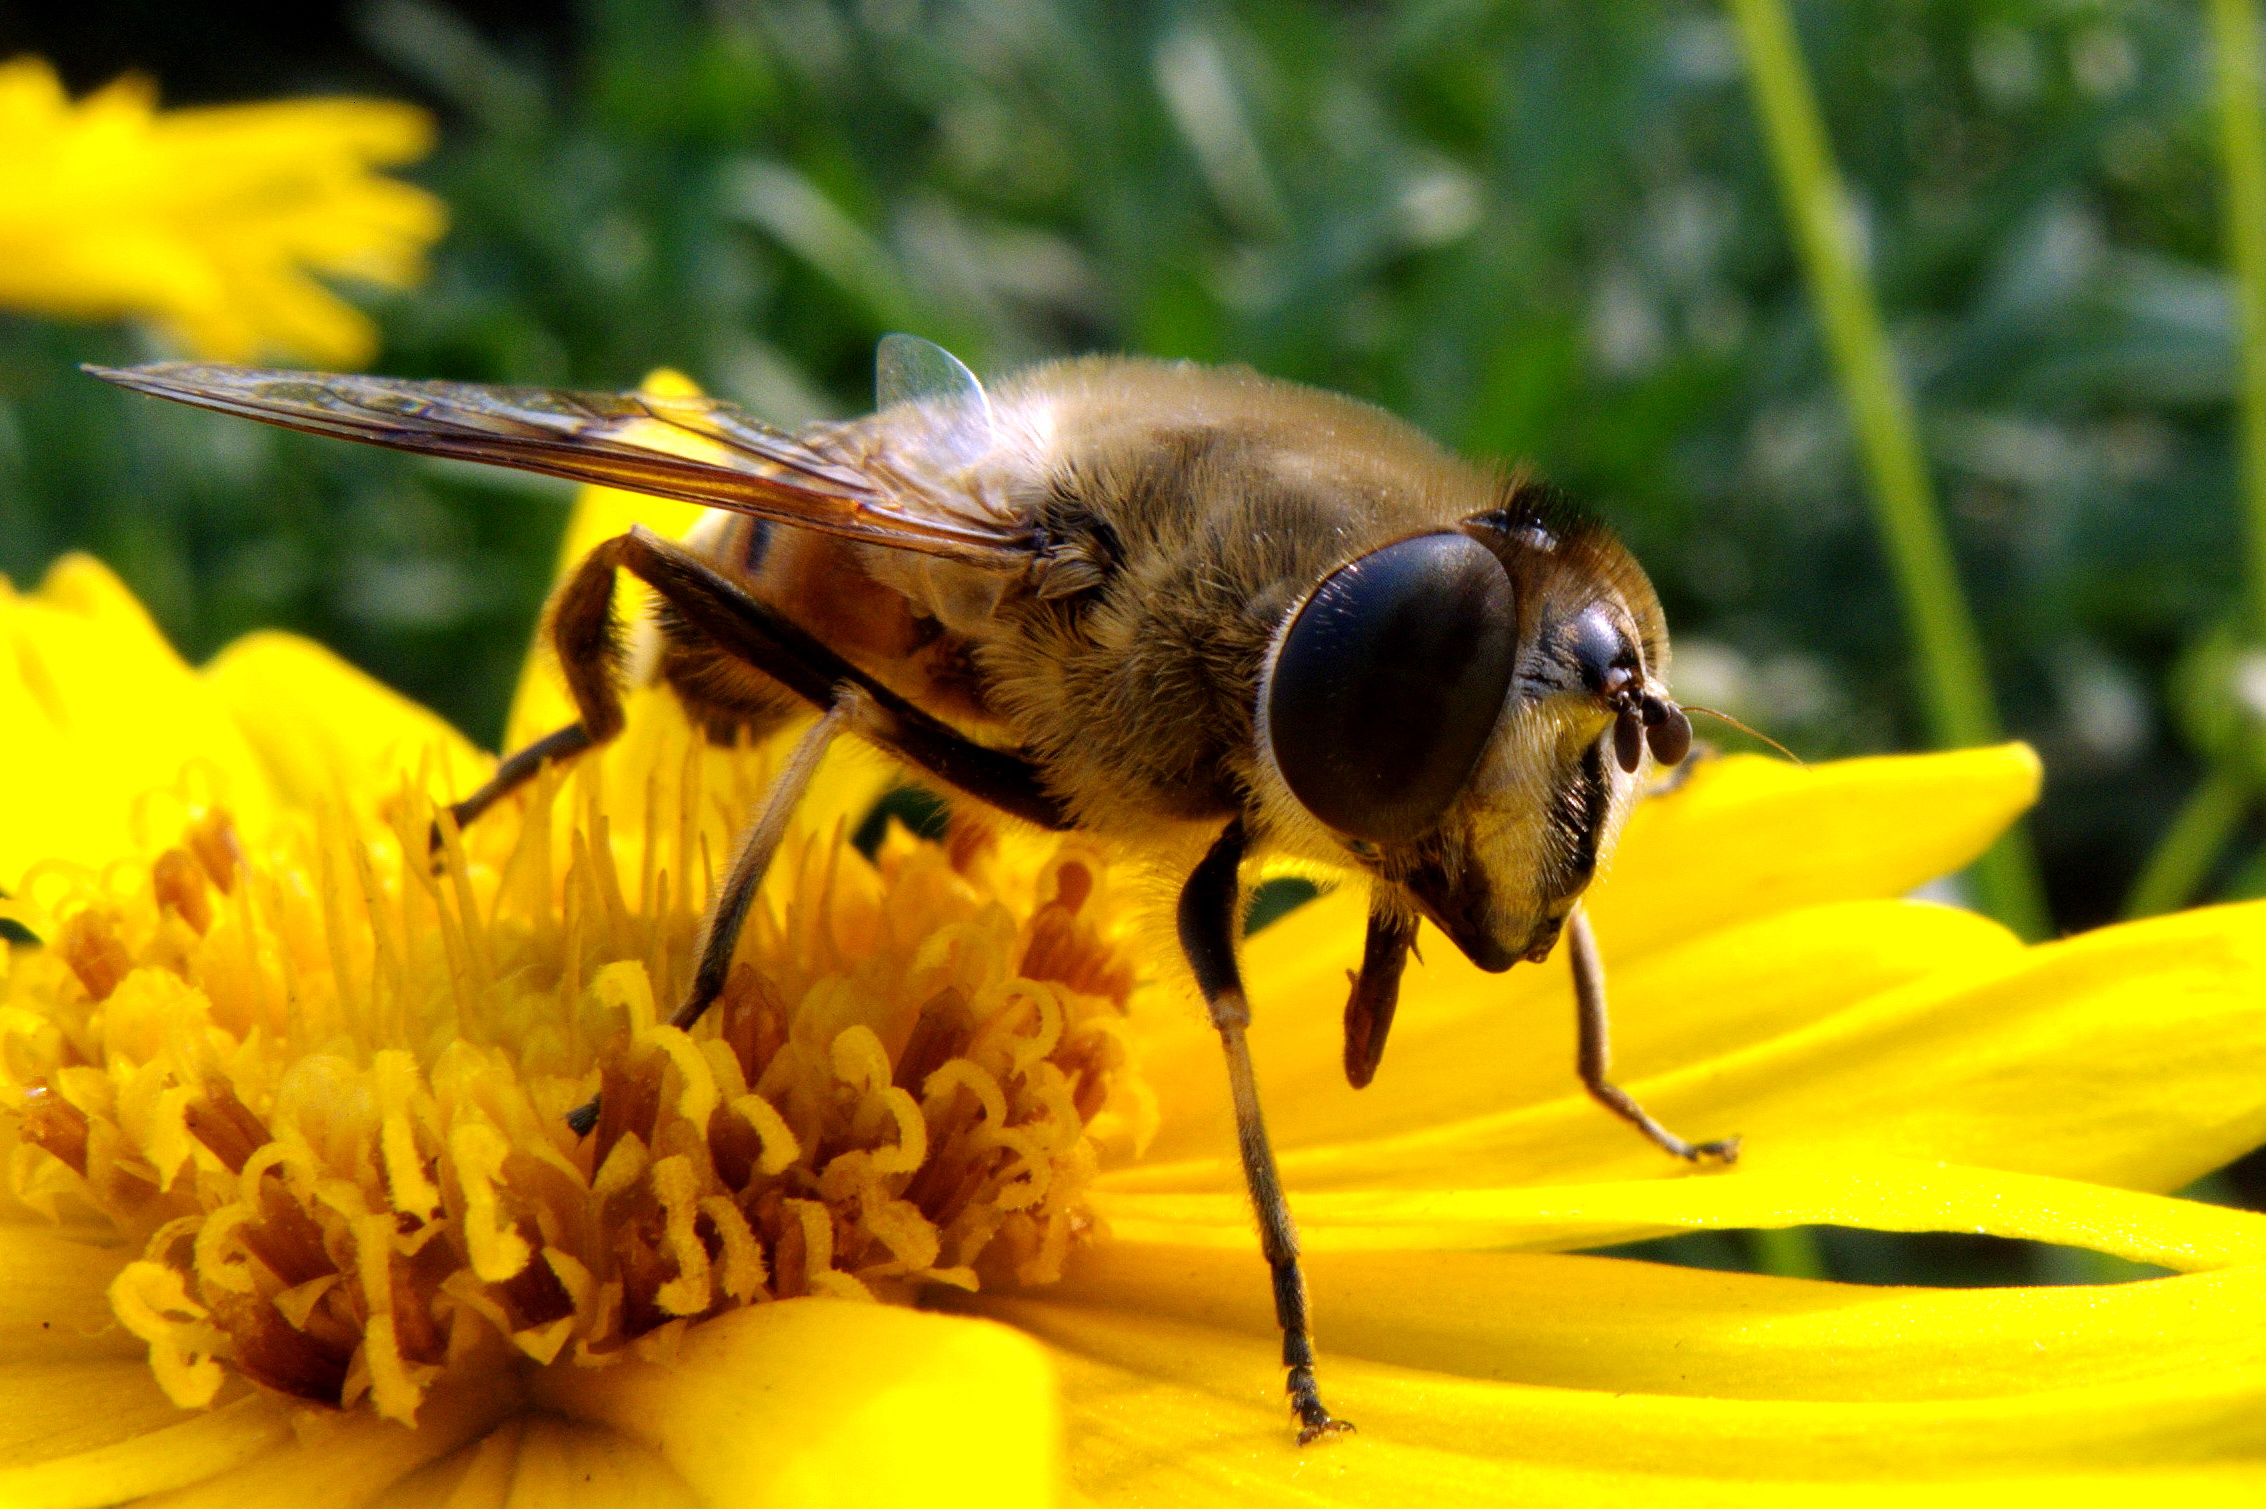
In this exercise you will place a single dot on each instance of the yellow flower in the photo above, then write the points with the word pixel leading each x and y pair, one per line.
pixel 207 222
pixel 290 1215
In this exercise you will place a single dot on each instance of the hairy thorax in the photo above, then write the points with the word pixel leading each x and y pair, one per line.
pixel 1177 515
pixel 1196 507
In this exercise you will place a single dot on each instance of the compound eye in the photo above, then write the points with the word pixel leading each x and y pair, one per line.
pixel 1389 682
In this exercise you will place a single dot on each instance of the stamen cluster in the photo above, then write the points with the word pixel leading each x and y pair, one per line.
pixel 322 1085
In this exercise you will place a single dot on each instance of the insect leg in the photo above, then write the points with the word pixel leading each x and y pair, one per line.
pixel 588 638
pixel 1376 991
pixel 516 770
pixel 1596 1050
pixel 1207 918
pixel 741 625
pixel 721 934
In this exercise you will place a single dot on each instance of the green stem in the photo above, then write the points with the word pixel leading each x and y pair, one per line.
pixel 2008 888
pixel 1955 687
pixel 1788 1252
pixel 2186 852
pixel 2242 140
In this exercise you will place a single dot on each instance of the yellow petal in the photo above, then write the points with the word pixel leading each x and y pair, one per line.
pixel 207 222
pixel 563 1463
pixel 1746 836
pixel 324 728
pixel 1489 1378
pixel 477 1475
pixel 54 1304
pixel 89 1437
pixel 823 1402
pixel 1619 1325
pixel 342 1461
pixel 539 1462
pixel 600 513
pixel 1167 1411
pixel 1469 1044
pixel 1881 1194
pixel 2133 1055
pixel 99 712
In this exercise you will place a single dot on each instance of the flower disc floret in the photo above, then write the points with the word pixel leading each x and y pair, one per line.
pixel 322 1083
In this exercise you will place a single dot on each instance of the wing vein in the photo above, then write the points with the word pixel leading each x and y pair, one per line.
pixel 590 437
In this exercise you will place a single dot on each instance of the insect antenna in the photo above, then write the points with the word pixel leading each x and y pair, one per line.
pixel 1755 734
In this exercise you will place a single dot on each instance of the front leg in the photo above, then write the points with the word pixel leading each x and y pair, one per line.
pixel 1376 991
pixel 1207 916
pixel 1595 1052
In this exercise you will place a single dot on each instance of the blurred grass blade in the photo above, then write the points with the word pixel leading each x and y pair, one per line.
pixel 1788 1252
pixel 2184 856
pixel 2189 848
pixel 791 207
pixel 1955 687
pixel 442 51
pixel 2242 141
pixel 1199 90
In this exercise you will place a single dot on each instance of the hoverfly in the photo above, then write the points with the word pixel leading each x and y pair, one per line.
pixel 1161 602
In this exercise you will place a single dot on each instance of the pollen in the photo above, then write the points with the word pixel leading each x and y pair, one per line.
pixel 320 1082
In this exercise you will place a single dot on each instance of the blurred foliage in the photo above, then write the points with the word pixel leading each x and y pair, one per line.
pixel 1544 231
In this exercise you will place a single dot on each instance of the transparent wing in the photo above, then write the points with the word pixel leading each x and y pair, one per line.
pixel 702 450
pixel 951 411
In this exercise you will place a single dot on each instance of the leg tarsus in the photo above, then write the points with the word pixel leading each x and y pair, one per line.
pixel 1208 915
pixel 512 772
pixel 1595 1053
pixel 1314 1420
pixel 722 935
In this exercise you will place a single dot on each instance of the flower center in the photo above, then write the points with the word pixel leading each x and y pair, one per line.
pixel 322 1084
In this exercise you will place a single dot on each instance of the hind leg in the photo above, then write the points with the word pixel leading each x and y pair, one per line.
pixel 725 628
pixel 727 698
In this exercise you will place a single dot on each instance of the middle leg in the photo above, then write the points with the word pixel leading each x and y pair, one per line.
pixel 721 934
pixel 586 633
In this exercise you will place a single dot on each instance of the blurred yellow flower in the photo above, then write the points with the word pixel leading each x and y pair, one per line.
pixel 209 223
pixel 290 1217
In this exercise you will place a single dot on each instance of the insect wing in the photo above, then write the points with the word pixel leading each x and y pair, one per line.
pixel 954 415
pixel 699 449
